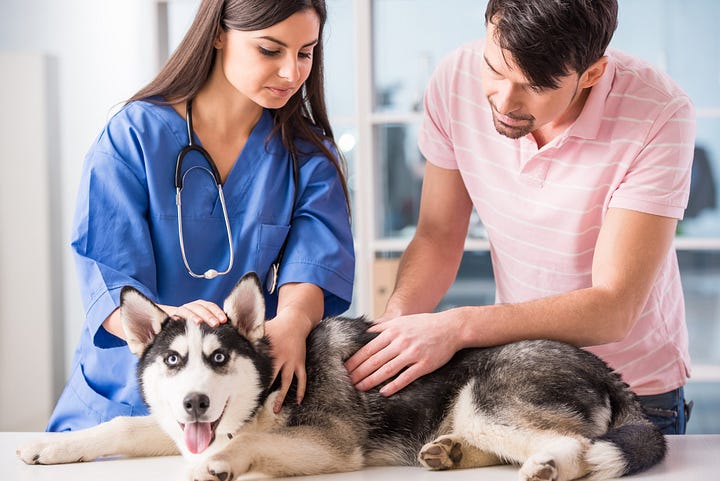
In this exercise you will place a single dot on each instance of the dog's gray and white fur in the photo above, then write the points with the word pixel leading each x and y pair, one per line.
pixel 554 409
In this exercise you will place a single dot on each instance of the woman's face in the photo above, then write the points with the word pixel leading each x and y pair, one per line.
pixel 268 66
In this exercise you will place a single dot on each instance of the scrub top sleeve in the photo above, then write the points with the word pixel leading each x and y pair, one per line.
pixel 320 246
pixel 111 239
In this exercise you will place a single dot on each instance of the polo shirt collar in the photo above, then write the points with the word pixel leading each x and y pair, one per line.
pixel 588 123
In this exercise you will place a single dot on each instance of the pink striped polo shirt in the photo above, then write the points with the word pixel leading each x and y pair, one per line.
pixel 631 148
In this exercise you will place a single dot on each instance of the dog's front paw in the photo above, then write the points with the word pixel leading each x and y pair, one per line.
pixel 219 468
pixel 443 453
pixel 48 450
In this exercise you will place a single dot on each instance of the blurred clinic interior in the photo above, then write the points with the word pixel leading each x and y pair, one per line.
pixel 67 65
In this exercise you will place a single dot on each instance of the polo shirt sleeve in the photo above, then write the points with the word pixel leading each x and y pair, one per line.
pixel 658 181
pixel 320 246
pixel 110 236
pixel 435 133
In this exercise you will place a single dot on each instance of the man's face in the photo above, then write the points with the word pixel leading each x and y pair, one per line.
pixel 519 107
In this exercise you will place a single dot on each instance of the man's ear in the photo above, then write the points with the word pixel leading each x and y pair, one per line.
pixel 594 73
pixel 141 319
pixel 245 307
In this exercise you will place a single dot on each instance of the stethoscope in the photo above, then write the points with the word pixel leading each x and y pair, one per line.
pixel 272 278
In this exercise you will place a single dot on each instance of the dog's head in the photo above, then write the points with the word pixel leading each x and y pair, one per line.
pixel 200 381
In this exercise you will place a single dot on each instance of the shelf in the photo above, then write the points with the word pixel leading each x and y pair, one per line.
pixel 399 244
pixel 705 373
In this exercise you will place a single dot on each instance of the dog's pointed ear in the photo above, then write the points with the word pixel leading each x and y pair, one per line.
pixel 141 319
pixel 245 307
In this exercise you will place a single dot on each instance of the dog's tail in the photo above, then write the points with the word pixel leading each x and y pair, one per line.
pixel 626 450
pixel 631 445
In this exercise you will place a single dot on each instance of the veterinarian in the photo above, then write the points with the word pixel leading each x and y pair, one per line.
pixel 246 85
pixel 577 159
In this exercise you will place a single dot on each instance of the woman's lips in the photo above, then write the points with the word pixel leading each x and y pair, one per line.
pixel 281 92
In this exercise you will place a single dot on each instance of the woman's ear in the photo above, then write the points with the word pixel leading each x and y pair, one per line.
pixel 594 73
pixel 220 39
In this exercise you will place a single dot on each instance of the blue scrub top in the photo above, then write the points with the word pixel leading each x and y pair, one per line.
pixel 125 233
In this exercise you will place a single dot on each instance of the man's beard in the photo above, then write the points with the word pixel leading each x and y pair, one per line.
pixel 513 131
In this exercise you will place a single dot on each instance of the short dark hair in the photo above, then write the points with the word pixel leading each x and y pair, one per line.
pixel 549 39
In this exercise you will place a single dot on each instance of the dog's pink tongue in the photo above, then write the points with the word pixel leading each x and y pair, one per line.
pixel 198 436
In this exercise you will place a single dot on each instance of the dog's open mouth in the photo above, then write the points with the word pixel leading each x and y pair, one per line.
pixel 200 435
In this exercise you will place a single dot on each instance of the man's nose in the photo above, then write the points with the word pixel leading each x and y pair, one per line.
pixel 507 98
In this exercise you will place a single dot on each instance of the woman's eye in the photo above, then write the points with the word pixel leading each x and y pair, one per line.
pixel 305 55
pixel 268 53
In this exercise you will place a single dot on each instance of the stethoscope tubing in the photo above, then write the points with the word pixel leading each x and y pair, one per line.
pixel 272 278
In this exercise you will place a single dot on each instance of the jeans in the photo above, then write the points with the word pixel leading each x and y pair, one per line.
pixel 668 411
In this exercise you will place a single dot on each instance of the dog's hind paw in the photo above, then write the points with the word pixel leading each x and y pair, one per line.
pixel 443 453
pixel 539 468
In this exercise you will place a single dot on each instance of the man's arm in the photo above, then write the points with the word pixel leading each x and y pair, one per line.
pixel 427 269
pixel 629 253
pixel 630 250
pixel 429 264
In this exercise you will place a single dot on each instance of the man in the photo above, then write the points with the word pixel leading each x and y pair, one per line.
pixel 577 159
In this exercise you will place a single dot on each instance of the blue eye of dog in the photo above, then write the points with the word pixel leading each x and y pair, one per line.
pixel 172 359
pixel 219 357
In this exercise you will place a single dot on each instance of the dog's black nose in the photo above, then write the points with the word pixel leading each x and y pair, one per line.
pixel 196 404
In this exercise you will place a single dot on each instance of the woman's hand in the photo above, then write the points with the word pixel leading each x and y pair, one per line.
pixel 300 308
pixel 288 332
pixel 198 311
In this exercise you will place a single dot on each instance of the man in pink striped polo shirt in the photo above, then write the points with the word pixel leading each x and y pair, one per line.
pixel 577 159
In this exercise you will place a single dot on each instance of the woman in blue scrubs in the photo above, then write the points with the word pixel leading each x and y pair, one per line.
pixel 251 71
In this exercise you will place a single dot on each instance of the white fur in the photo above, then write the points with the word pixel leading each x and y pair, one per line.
pixel 231 394
pixel 533 448
pixel 606 461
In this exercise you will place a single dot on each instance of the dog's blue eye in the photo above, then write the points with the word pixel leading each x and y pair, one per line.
pixel 219 357
pixel 172 359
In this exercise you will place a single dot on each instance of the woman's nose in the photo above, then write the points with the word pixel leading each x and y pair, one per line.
pixel 289 69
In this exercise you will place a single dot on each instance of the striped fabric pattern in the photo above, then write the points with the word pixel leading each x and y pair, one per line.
pixel 543 208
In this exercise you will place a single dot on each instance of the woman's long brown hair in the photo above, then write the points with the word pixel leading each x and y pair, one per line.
pixel 186 71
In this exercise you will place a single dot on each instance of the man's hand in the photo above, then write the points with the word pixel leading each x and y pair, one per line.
pixel 408 346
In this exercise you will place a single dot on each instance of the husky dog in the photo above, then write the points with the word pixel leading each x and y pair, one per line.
pixel 555 410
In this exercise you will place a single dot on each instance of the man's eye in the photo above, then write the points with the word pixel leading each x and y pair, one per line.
pixel 537 89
